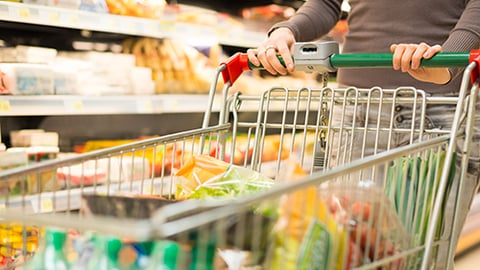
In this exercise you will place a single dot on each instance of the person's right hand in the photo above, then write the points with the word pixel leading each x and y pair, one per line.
pixel 279 42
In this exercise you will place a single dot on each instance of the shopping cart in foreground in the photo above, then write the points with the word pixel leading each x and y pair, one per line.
pixel 342 195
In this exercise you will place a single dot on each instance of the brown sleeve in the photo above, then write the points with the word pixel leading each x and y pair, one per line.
pixel 466 34
pixel 313 20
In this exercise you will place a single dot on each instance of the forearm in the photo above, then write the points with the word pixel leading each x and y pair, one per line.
pixel 313 20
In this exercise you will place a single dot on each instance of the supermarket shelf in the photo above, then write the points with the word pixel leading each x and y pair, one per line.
pixel 162 28
pixel 93 105
pixel 71 199
pixel 50 105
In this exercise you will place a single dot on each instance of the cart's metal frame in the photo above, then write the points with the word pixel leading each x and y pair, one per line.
pixel 300 117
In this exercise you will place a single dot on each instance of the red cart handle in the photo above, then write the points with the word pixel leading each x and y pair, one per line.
pixel 475 57
pixel 234 67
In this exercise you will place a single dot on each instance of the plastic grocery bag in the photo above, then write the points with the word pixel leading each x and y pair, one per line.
pixel 306 235
pixel 339 225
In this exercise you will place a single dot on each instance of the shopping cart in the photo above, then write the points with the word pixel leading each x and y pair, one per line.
pixel 344 195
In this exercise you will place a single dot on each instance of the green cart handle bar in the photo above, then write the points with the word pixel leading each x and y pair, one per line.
pixel 324 57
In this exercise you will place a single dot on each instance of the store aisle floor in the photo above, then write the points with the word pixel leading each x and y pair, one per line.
pixel 470 260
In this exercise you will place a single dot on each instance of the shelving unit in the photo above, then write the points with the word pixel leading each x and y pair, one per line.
pixel 95 105
pixel 165 27
pixel 132 115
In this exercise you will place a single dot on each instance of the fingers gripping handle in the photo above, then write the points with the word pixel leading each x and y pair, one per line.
pixel 325 57
pixel 308 56
pixel 237 64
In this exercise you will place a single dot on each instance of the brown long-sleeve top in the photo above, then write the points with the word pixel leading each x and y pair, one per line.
pixel 376 24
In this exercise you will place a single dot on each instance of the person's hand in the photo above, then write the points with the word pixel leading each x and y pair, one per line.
pixel 279 42
pixel 407 58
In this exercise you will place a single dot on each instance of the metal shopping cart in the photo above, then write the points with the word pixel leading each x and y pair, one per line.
pixel 344 196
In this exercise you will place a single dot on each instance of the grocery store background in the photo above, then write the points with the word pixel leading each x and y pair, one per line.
pixel 170 49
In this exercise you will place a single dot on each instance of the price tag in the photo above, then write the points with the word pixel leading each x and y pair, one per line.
pixel 53 17
pixel 173 105
pixel 102 192
pixel 74 106
pixel 24 13
pixel 5 106
pixel 167 26
pixel 43 205
pixel 73 19
pixel 145 106
pixel 46 205
pixel 130 27
pixel 112 24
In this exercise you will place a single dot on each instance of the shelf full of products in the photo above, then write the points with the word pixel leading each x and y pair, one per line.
pixel 225 31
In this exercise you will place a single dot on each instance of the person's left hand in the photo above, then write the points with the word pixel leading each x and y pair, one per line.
pixel 407 58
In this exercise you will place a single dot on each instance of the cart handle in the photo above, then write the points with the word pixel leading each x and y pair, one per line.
pixel 239 62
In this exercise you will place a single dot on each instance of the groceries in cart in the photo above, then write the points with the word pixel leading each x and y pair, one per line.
pixel 339 225
pixel 205 177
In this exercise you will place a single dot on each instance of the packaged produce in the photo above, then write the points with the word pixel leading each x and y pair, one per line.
pixel 306 235
pixel 51 256
pixel 373 227
pixel 204 177
pixel 338 225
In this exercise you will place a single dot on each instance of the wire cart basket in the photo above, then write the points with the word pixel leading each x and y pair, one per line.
pixel 300 185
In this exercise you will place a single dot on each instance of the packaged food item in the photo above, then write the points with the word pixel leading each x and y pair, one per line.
pixel 52 254
pixel 99 6
pixel 66 81
pixel 10 160
pixel 374 229
pixel 28 54
pixel 27 79
pixel 306 235
pixel 45 180
pixel 70 4
pixel 106 254
pixel 166 255
pixel 412 183
pixel 137 8
pixel 17 240
pixel 105 74
pixel 33 137
pixel 203 177
pixel 337 225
